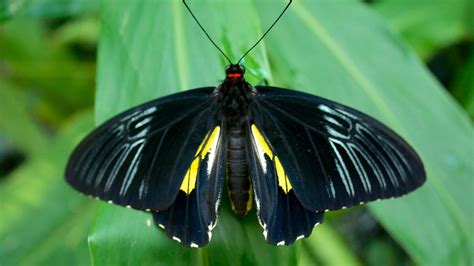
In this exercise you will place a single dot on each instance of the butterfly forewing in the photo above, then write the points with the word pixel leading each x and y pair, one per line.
pixel 140 157
pixel 334 156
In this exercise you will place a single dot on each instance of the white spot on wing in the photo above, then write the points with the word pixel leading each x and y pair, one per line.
pixel 143 122
pixel 125 150
pixel 142 133
pixel 161 226
pixel 177 239
pixel 281 243
pixel 341 167
pixel 332 120
pixel 257 204
pixel 369 159
pixel 194 245
pixel 300 237
pixel 142 189
pixel 332 190
pixel 360 169
pixel 347 114
pixel 260 153
pixel 335 133
pixel 213 152
pixel 132 170
pixel 150 110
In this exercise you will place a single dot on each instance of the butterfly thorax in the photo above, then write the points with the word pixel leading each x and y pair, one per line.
pixel 235 96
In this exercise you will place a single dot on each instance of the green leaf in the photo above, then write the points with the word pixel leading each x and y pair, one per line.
pixel 428 25
pixel 328 247
pixel 42 64
pixel 16 122
pixel 46 8
pixel 342 51
pixel 336 49
pixel 44 222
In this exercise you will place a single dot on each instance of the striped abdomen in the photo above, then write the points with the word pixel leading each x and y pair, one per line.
pixel 238 173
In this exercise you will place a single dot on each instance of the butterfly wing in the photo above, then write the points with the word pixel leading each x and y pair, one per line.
pixel 280 213
pixel 334 156
pixel 192 216
pixel 161 156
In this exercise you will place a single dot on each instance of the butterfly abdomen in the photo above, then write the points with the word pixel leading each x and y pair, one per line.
pixel 238 173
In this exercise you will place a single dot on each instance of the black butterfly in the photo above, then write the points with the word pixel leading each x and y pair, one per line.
pixel 291 154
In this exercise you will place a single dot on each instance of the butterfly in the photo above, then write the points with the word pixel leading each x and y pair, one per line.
pixel 288 154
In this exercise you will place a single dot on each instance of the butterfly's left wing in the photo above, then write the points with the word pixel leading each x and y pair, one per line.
pixel 332 156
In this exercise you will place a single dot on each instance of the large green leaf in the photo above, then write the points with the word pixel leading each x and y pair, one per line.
pixel 428 25
pixel 44 222
pixel 337 49
pixel 46 8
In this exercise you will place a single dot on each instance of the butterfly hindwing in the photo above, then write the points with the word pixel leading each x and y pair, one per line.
pixel 140 157
pixel 334 156
pixel 280 213
pixel 192 216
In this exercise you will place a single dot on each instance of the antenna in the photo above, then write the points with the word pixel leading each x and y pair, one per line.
pixel 251 48
pixel 266 32
pixel 205 32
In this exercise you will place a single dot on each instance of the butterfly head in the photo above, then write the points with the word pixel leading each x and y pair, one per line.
pixel 234 73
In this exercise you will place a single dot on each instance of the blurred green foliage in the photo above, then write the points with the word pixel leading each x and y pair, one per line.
pixel 47 86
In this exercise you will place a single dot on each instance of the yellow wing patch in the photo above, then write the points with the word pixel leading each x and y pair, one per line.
pixel 283 181
pixel 208 145
pixel 264 148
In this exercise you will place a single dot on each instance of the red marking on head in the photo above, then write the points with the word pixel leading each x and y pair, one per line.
pixel 234 75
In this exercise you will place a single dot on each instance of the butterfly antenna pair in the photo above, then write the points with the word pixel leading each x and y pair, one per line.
pixel 253 46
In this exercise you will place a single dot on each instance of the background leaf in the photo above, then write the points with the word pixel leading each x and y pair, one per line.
pixel 44 221
pixel 16 122
pixel 428 25
pixel 46 8
pixel 337 49
pixel 42 64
